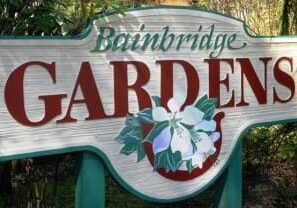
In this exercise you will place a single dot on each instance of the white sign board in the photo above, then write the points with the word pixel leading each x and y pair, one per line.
pixel 162 95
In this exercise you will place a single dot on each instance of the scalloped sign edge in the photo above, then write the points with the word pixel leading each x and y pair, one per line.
pixel 224 104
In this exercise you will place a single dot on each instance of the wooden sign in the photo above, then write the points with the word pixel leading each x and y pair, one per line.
pixel 161 95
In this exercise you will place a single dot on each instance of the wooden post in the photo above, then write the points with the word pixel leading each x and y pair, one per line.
pixel 229 185
pixel 90 182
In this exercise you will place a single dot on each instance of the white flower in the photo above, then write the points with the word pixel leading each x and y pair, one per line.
pixel 181 136
pixel 204 143
pixel 205 146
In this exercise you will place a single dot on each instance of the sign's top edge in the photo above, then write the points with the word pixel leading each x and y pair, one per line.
pixel 137 11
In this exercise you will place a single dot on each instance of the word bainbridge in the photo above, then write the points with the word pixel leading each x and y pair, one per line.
pixel 109 39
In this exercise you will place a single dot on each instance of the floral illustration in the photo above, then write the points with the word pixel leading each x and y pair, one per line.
pixel 178 136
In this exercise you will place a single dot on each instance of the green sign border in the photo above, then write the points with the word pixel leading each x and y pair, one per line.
pixel 101 154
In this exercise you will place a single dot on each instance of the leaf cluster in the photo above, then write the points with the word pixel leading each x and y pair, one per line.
pixel 52 17
pixel 132 134
pixel 271 144
pixel 31 17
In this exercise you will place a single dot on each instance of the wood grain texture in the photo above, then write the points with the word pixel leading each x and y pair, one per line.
pixel 69 54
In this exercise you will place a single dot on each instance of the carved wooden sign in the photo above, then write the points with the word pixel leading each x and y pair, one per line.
pixel 162 95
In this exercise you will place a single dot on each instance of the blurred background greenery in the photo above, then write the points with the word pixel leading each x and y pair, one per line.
pixel 270 162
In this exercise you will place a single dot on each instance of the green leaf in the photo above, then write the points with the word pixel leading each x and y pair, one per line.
pixel 156 130
pixel 130 146
pixel 132 121
pixel 160 160
pixel 194 146
pixel 157 100
pixel 140 152
pixel 146 115
pixel 123 134
pixel 209 111
pixel 174 160
pixel 16 3
pixel 166 159
pixel 201 102
pixel 129 132
pixel 189 165
pixel 207 105
pixel 118 10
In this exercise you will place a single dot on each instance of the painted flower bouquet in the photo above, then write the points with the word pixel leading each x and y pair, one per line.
pixel 178 137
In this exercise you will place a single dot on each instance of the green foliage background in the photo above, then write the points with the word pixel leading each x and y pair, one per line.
pixel 270 161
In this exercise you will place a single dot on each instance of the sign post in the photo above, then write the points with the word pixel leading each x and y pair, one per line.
pixel 229 185
pixel 90 182
pixel 161 95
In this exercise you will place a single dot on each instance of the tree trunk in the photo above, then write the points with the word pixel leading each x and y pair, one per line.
pixel 284 22
pixel 137 3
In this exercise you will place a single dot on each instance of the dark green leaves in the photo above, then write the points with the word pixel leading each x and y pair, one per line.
pixel 207 105
pixel 16 3
pixel 38 18
pixel 128 132
pixel 156 130
pixel 130 146
pixel 157 100
pixel 131 136
pixel 168 160
pixel 189 166
pixel 145 116
pixel 132 121
pixel 194 146
pixel 140 151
